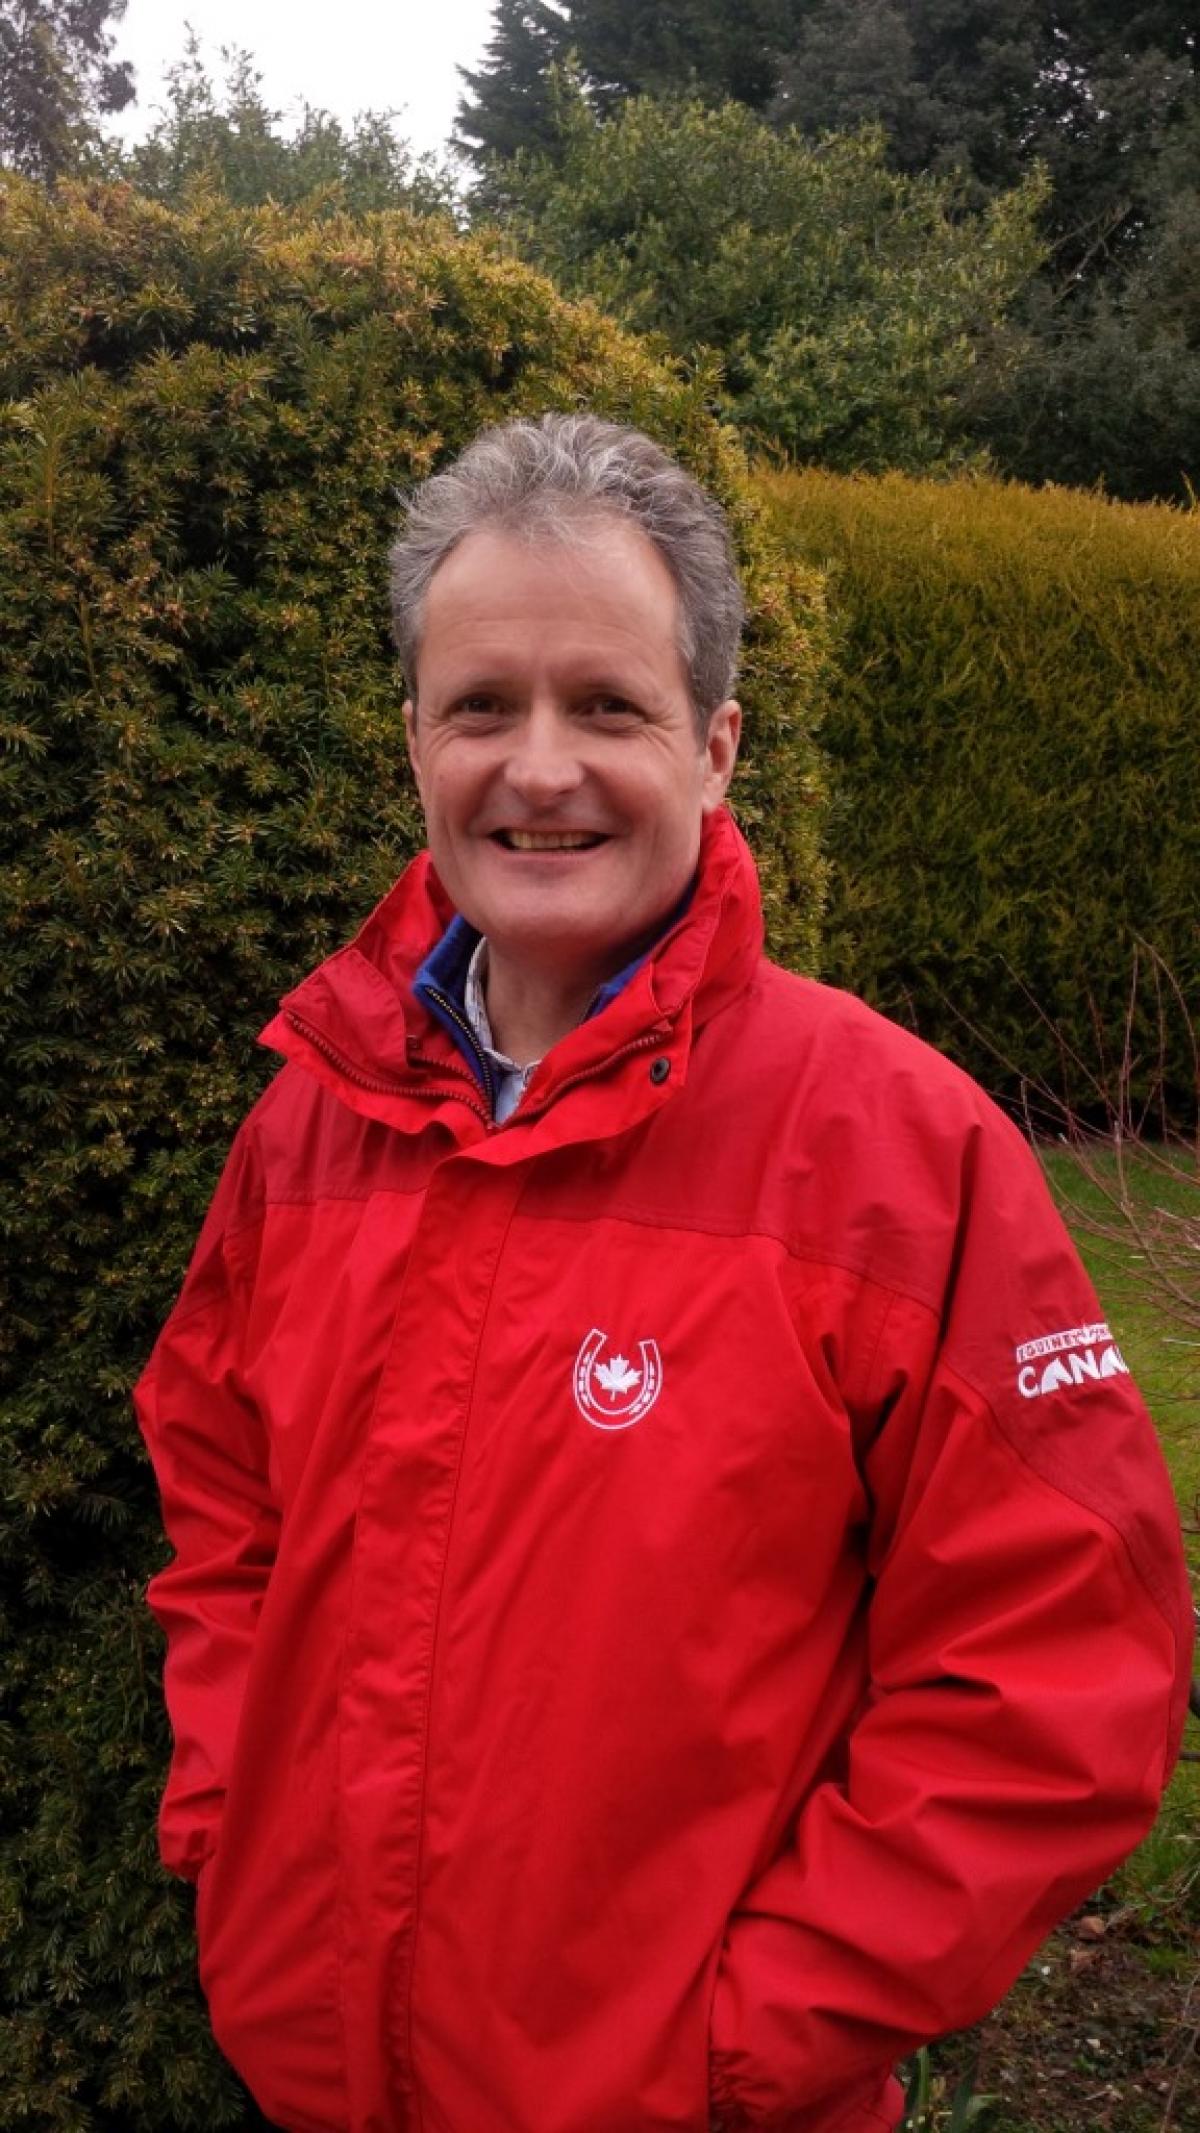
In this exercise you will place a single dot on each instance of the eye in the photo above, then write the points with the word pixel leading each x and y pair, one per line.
pixel 479 704
pixel 612 709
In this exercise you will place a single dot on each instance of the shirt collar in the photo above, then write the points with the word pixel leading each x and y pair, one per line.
pixel 475 1008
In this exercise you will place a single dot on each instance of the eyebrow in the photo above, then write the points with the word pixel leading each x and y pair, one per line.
pixel 589 682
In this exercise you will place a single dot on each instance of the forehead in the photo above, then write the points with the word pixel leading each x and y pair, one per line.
pixel 601 586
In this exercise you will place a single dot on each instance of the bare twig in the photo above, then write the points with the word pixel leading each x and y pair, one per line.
pixel 1165 1240
pixel 1070 284
pixel 1191 2035
pixel 1119 1161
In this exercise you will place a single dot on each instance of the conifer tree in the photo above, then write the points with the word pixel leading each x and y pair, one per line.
pixel 1093 89
pixel 509 101
pixel 719 50
pixel 57 74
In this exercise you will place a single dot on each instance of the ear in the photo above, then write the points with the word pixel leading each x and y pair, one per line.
pixel 720 752
pixel 412 740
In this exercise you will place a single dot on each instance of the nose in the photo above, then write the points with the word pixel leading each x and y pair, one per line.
pixel 544 765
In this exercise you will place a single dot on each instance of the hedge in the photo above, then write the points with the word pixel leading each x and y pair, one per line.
pixel 205 417
pixel 1014 743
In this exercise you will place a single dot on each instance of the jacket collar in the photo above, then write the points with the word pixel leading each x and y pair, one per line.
pixel 356 1024
pixel 444 985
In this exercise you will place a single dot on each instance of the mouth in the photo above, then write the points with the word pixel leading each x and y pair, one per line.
pixel 515 840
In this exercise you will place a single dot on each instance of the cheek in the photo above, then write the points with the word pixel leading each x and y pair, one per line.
pixel 450 789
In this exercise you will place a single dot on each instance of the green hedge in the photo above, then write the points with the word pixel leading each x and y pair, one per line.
pixel 205 418
pixel 1015 755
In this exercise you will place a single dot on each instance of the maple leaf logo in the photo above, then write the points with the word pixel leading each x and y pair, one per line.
pixel 617 1377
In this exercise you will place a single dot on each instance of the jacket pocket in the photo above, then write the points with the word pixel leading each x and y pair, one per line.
pixel 882 2114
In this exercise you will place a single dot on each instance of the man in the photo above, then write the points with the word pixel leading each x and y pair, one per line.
pixel 675 1593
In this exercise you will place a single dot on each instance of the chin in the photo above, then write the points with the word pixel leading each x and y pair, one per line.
pixel 561 945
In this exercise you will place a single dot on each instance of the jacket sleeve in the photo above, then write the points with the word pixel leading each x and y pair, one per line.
pixel 1029 1652
pixel 210 1454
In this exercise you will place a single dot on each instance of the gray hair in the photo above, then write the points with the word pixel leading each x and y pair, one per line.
pixel 548 478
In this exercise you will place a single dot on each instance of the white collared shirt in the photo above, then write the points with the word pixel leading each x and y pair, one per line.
pixel 511 1080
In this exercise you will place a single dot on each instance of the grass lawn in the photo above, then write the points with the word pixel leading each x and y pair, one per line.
pixel 1101 2034
pixel 1162 1350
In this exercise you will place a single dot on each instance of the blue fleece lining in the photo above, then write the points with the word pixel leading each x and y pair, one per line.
pixel 446 967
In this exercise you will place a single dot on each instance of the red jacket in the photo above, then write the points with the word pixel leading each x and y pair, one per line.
pixel 673 1596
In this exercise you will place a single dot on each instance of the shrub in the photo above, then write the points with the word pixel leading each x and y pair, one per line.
pixel 850 307
pixel 1013 754
pixel 204 419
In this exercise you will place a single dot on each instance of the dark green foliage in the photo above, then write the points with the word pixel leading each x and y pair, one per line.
pixel 1107 98
pixel 1099 380
pixel 1107 387
pixel 1015 769
pixel 508 103
pixel 57 73
pixel 1093 91
pixel 205 418
pixel 1103 394
pixel 713 49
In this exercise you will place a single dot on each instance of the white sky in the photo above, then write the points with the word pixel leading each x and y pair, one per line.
pixel 346 57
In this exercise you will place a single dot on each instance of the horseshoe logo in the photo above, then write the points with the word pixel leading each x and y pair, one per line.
pixel 615 1393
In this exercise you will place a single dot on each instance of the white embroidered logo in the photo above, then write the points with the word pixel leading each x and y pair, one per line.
pixel 1068 1358
pixel 615 1394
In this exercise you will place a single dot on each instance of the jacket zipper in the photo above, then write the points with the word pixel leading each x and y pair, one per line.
pixel 377 1083
pixel 384 1087
pixel 460 1022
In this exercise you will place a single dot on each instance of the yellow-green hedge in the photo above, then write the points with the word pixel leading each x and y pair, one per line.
pixel 205 418
pixel 1015 755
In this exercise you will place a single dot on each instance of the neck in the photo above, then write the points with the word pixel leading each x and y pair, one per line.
pixel 529 1010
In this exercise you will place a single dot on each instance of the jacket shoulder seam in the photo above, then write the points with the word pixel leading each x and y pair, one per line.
pixel 1056 1480
pixel 317 1198
pixel 796 1248
pixel 192 1310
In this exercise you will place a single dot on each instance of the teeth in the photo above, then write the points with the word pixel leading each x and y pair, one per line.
pixel 549 841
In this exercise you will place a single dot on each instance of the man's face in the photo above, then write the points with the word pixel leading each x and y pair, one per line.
pixel 555 746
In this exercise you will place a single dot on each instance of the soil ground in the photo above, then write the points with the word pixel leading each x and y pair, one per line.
pixel 1100 2035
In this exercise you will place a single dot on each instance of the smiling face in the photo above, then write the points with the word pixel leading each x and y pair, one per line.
pixel 556 749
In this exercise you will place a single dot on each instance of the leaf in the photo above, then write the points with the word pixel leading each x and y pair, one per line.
pixel 916 2101
pixel 968 2108
pixel 617 1377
